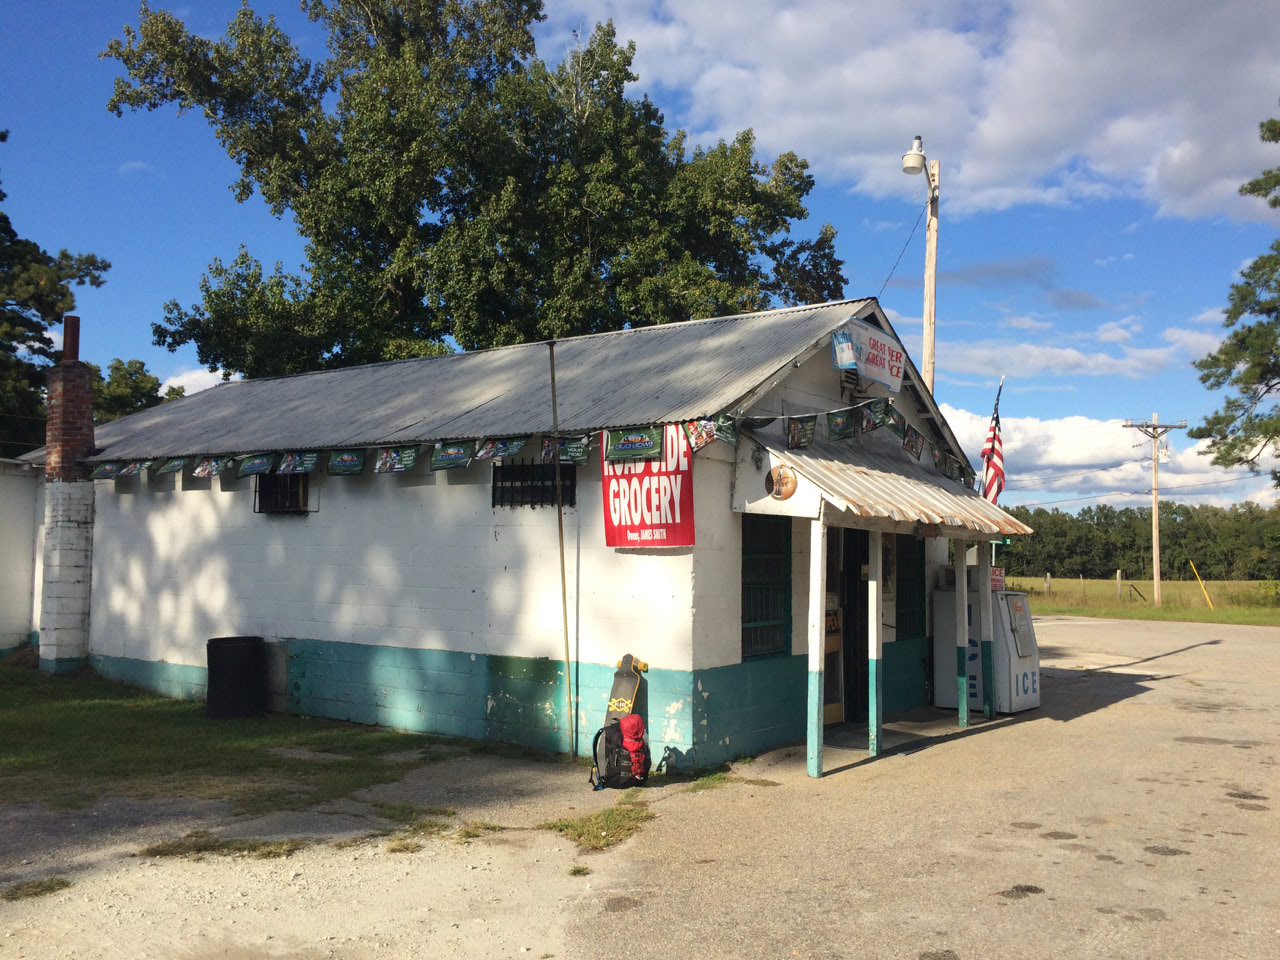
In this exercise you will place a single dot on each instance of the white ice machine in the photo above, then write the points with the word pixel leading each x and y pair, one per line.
pixel 1016 658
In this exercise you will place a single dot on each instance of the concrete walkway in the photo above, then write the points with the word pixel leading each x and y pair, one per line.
pixel 1133 815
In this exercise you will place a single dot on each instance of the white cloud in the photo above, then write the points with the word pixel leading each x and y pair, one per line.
pixel 1072 461
pixel 1196 343
pixel 193 381
pixel 1025 360
pixel 1214 315
pixel 134 166
pixel 880 226
pixel 1026 323
pixel 1118 331
pixel 1024 102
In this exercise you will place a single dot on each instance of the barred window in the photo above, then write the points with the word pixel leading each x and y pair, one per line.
pixel 766 585
pixel 533 484
pixel 280 493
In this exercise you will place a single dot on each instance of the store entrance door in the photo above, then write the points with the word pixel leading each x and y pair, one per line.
pixel 854 607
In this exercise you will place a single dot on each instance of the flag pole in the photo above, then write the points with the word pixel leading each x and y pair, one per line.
pixel 993 454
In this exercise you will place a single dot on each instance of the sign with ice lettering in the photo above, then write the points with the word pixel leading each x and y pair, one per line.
pixel 876 355
pixel 649 503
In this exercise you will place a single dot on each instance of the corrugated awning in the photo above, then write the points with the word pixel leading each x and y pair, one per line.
pixel 874 478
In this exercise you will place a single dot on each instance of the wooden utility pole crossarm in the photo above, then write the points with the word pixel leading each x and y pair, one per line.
pixel 1155 431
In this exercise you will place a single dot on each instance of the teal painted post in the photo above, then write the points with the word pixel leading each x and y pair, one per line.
pixel 962 632
pixel 875 710
pixel 813 751
pixel 817 641
pixel 875 640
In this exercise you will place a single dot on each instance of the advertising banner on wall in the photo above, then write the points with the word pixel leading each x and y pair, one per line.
pixel 872 352
pixel 649 503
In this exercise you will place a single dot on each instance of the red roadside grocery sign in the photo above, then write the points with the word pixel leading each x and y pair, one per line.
pixel 649 503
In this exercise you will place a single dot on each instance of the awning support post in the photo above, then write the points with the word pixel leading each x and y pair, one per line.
pixel 986 632
pixel 875 640
pixel 962 631
pixel 817 641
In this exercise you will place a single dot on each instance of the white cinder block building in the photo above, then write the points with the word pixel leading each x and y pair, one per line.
pixel 770 587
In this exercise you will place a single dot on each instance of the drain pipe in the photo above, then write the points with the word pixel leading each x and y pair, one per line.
pixel 564 588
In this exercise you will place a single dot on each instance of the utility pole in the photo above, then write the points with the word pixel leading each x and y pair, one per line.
pixel 930 274
pixel 1152 429
pixel 915 162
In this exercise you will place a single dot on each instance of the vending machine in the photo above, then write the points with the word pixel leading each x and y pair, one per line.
pixel 1015 656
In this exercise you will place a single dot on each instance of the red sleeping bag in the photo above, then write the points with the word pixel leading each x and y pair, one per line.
pixel 633 742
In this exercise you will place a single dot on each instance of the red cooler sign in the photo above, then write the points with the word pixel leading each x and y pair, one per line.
pixel 649 503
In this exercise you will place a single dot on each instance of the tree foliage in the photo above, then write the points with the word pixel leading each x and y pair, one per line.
pixel 451 184
pixel 1241 542
pixel 1248 361
pixel 128 388
pixel 35 293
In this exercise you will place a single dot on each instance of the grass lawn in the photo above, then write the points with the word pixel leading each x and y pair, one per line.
pixel 69 740
pixel 1234 601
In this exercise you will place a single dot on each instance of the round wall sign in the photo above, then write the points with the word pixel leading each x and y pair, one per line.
pixel 780 482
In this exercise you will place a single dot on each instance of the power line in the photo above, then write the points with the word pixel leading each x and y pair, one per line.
pixel 1207 483
pixel 1067 476
pixel 903 251
pixel 1099 496
pixel 1132 493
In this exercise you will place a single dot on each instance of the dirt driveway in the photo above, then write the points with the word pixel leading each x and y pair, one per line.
pixel 1133 815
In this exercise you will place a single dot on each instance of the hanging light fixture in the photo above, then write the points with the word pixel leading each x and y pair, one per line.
pixel 913 160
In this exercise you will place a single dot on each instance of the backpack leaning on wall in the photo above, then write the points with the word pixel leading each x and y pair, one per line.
pixel 619 754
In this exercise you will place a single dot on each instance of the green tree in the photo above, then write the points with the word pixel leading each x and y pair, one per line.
pixel 451 184
pixel 35 290
pixel 1248 360
pixel 128 388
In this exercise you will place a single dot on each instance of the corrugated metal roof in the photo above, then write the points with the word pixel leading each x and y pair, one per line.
pixel 648 375
pixel 875 477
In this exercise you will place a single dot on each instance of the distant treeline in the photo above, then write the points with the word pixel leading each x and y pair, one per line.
pixel 1241 542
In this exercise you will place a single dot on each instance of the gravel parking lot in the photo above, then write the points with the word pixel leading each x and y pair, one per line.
pixel 1132 815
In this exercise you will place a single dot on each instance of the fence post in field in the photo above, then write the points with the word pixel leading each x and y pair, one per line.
pixel 1118 597
pixel 1048 585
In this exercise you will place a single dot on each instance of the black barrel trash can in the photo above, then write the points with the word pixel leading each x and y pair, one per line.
pixel 237 681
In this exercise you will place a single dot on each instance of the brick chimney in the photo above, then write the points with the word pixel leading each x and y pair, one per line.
pixel 68 410
pixel 68 510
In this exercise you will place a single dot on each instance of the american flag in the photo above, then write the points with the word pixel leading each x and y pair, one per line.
pixel 993 455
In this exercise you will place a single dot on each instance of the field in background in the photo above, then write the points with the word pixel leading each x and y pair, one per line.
pixel 1234 601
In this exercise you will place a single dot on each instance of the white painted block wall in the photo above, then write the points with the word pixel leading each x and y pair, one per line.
pixel 19 486
pixel 416 560
pixel 67 570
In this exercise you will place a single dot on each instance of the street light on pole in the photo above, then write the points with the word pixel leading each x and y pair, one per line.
pixel 914 162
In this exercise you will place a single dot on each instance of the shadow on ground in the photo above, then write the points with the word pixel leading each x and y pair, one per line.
pixel 1066 694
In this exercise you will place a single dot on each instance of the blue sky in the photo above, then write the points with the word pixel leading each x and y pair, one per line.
pixel 1090 221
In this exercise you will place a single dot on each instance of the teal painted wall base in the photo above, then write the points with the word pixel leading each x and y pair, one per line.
pixel 696 719
pixel 905 674
pixel 63 665
pixel 177 680
pixel 743 709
